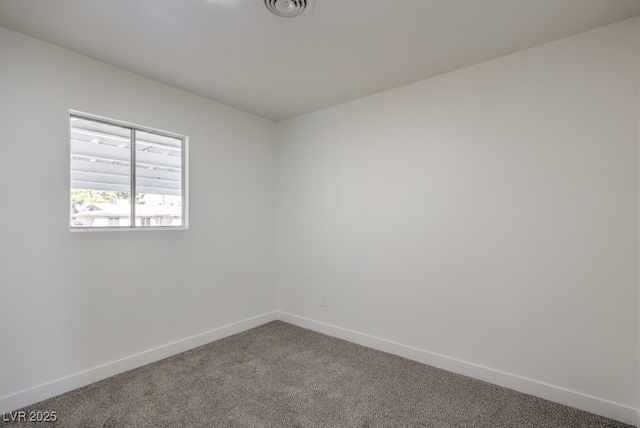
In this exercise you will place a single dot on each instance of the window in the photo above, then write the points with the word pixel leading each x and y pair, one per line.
pixel 122 172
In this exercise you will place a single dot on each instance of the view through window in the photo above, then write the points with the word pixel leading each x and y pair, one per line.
pixel 113 165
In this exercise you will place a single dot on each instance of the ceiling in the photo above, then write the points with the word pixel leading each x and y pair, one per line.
pixel 234 52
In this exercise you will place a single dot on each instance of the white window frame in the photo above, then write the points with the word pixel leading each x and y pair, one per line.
pixel 133 128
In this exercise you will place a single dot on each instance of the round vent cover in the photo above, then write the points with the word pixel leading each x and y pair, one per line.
pixel 287 8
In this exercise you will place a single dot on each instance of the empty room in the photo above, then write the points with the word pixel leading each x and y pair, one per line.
pixel 320 213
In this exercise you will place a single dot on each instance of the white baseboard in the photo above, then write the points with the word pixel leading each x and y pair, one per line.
pixel 557 394
pixel 60 386
pixel 581 401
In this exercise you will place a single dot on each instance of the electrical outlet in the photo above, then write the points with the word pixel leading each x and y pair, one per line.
pixel 323 300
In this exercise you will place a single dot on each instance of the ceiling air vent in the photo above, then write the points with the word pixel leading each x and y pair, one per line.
pixel 287 8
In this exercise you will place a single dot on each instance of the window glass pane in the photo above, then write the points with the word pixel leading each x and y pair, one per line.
pixel 158 180
pixel 100 174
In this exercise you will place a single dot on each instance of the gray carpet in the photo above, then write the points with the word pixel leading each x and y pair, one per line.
pixel 279 375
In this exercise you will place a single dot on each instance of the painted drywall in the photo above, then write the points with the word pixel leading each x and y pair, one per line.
pixel 488 216
pixel 75 301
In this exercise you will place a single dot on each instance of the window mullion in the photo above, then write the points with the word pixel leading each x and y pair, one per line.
pixel 133 178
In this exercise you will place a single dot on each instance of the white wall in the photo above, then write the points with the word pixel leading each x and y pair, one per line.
pixel 489 216
pixel 74 301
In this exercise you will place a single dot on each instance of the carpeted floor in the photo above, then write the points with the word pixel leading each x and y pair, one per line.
pixel 279 375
